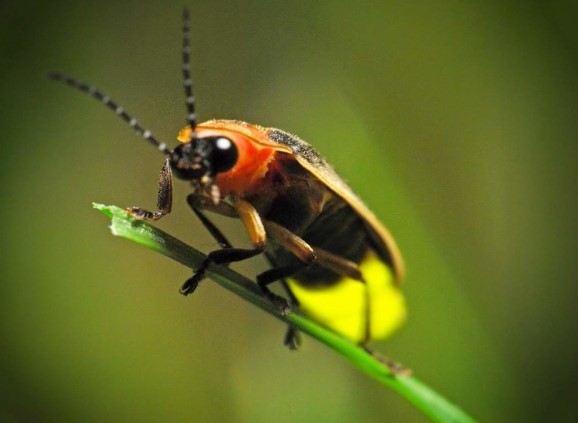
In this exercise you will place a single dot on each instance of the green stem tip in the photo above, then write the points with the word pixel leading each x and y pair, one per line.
pixel 433 405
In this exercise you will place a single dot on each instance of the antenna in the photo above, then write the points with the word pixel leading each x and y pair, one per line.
pixel 187 81
pixel 106 100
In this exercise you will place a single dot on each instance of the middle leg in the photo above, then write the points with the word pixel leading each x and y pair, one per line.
pixel 227 254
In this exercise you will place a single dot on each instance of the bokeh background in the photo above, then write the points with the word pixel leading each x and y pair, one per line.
pixel 455 121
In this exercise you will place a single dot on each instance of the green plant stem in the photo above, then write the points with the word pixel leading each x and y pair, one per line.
pixel 432 404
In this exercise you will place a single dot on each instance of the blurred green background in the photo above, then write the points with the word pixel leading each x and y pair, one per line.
pixel 456 122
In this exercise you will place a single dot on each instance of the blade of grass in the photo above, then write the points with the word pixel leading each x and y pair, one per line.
pixel 433 405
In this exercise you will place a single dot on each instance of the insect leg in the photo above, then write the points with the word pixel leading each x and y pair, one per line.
pixel 298 247
pixel 215 232
pixel 273 275
pixel 394 367
pixel 307 255
pixel 257 233
pixel 252 221
pixel 164 197
pixel 224 256
pixel 338 264
pixel 292 338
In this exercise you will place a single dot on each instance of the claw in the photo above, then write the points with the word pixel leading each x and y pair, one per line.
pixel 397 369
pixel 190 285
pixel 292 338
pixel 279 302
pixel 142 214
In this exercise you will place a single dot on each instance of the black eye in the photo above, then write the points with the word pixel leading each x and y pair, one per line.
pixel 224 155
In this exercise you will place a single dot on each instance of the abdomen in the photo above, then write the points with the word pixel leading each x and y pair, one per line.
pixel 356 310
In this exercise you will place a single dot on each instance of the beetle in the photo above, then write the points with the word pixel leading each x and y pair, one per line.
pixel 334 258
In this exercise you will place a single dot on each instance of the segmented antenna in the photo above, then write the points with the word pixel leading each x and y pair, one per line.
pixel 187 81
pixel 95 93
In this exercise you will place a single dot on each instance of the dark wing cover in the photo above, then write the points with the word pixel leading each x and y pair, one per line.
pixel 311 160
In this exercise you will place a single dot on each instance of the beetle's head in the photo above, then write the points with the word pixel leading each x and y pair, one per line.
pixel 201 159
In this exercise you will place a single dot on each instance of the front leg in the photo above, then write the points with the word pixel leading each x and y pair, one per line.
pixel 164 197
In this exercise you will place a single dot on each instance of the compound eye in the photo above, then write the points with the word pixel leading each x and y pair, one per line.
pixel 224 155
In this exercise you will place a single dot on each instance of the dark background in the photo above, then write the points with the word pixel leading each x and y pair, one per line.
pixel 455 121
